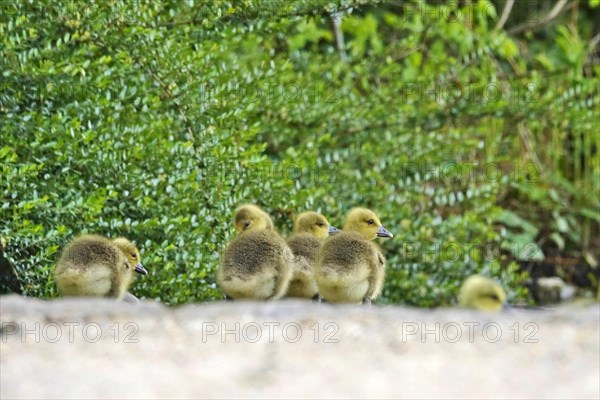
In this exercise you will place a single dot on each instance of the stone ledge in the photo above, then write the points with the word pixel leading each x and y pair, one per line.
pixel 98 348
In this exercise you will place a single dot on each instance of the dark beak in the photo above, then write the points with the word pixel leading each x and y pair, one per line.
pixel 332 229
pixel 140 269
pixel 382 232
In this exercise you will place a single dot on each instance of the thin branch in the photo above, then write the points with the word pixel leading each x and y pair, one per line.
pixel 594 42
pixel 422 40
pixel 176 105
pixel 592 52
pixel 505 13
pixel 555 12
pixel 336 27
pixel 408 52
pixel 525 138
pixel 575 14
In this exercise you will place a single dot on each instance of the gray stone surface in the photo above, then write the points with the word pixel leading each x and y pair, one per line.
pixel 97 348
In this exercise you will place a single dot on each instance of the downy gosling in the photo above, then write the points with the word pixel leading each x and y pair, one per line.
pixel 257 264
pixel 93 265
pixel 310 229
pixel 481 293
pixel 351 268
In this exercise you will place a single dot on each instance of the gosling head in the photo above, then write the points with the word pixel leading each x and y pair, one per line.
pixel 481 293
pixel 250 217
pixel 132 253
pixel 366 223
pixel 313 223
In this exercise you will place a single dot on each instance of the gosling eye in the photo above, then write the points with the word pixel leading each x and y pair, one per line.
pixel 320 224
pixel 246 224
pixel 493 296
pixel 370 222
pixel 133 255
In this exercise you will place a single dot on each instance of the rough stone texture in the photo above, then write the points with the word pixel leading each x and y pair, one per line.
pixel 184 352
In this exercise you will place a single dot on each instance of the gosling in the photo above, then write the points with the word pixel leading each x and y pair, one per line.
pixel 257 264
pixel 310 229
pixel 92 265
pixel 351 268
pixel 481 293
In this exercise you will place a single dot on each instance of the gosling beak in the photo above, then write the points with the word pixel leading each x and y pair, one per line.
pixel 140 269
pixel 382 232
pixel 332 229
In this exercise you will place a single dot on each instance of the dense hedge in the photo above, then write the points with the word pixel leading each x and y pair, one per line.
pixel 154 120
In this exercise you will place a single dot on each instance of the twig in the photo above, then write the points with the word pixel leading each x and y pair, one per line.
pixel 556 10
pixel 592 52
pixel 594 42
pixel 505 13
pixel 336 27
pixel 182 115
pixel 524 133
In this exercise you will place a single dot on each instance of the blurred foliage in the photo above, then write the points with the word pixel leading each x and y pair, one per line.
pixel 153 120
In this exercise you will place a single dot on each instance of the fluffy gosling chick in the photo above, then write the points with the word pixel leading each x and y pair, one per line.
pixel 257 264
pixel 92 265
pixel 310 229
pixel 481 293
pixel 351 268
pixel 250 217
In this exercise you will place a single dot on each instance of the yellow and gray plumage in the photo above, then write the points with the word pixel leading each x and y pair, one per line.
pixel 93 265
pixel 351 268
pixel 257 264
pixel 310 229
pixel 481 293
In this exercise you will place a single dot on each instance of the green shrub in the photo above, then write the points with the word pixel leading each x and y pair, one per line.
pixel 154 120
